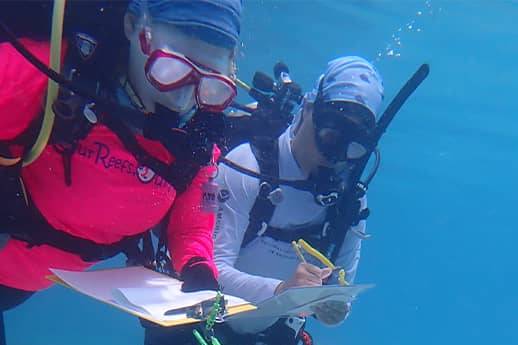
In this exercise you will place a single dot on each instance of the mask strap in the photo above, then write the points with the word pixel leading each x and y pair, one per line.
pixel 319 96
pixel 145 40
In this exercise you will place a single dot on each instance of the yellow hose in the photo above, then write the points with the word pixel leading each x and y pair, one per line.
pixel 242 84
pixel 52 90
pixel 7 162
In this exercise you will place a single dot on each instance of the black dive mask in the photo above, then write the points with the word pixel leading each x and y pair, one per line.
pixel 342 130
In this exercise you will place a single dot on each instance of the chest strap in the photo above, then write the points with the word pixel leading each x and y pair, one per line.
pixel 266 153
pixel 314 234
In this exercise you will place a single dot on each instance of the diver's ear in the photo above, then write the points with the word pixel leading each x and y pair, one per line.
pixel 302 116
pixel 307 110
pixel 232 66
pixel 233 69
pixel 130 25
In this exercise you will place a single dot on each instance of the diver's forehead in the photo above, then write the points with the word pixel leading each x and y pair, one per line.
pixel 200 52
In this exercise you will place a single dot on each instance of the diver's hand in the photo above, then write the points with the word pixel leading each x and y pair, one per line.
pixel 197 275
pixel 331 313
pixel 305 275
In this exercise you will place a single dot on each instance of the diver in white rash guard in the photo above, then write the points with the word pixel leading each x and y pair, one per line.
pixel 253 251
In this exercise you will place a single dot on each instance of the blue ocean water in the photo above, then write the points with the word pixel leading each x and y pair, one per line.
pixel 443 205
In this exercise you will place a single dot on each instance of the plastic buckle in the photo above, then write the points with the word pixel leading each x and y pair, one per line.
pixel 295 323
pixel 276 196
pixel 327 200
pixel 361 190
pixel 265 189
pixel 89 113
pixel 262 230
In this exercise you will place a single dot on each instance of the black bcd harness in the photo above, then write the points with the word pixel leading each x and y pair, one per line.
pixel 328 191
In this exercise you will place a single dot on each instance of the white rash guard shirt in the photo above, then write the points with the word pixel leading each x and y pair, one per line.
pixel 254 272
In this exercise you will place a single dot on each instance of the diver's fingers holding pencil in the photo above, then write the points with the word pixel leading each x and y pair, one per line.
pixel 305 269
pixel 304 275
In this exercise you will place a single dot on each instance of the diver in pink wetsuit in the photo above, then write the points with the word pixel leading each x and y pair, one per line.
pixel 100 184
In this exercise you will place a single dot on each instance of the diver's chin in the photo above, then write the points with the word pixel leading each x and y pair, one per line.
pixel 187 114
pixel 182 111
pixel 179 105
pixel 328 162
pixel 173 108
pixel 183 115
pixel 340 166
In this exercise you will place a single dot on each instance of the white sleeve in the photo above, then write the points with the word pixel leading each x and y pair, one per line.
pixel 240 192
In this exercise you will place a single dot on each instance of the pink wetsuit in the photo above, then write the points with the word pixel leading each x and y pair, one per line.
pixel 110 196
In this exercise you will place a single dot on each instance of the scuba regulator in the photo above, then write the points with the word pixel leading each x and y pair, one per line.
pixel 281 94
pixel 276 100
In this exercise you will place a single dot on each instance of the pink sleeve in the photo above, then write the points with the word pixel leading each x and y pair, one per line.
pixel 191 228
pixel 22 88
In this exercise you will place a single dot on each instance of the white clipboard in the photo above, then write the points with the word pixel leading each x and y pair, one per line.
pixel 144 293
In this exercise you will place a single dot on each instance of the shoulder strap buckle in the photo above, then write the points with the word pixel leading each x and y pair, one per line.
pixel 262 230
pixel 328 199
pixel 265 188
pixel 276 196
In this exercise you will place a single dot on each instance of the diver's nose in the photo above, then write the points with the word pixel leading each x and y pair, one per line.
pixel 182 99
